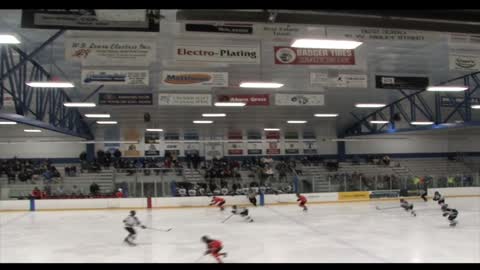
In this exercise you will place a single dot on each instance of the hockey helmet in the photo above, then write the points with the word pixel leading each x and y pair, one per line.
pixel 132 213
pixel 205 238
pixel 402 199
pixel 234 207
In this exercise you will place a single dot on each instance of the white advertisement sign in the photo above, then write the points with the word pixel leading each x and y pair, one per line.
pixel 310 147
pixel 213 149
pixel 110 52
pixel 292 147
pixel 196 79
pixel 464 62
pixel 282 32
pixel 245 54
pixel 8 100
pixel 342 80
pixel 185 99
pixel 299 100
pixel 381 34
pixel 192 147
pixel 115 77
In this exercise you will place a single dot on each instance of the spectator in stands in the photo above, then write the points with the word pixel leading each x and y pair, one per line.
pixel 36 193
pixel 60 191
pixel 75 191
pixel 119 193
pixel 188 159
pixel 386 160
pixel 196 160
pixel 356 160
pixel 94 189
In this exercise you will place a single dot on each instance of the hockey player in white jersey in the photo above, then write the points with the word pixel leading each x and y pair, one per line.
pixel 407 206
pixel 243 212
pixel 130 222
pixel 438 197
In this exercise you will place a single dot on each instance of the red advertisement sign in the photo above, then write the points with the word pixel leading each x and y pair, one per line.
pixel 272 135
pixel 235 135
pixel 306 56
pixel 235 151
pixel 273 149
pixel 250 100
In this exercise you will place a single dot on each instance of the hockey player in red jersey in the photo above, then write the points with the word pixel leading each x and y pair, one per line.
pixel 214 247
pixel 303 201
pixel 218 201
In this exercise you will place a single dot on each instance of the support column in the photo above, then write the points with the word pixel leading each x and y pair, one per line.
pixel 90 151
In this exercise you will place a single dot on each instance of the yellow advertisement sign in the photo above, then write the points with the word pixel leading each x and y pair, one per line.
pixel 355 195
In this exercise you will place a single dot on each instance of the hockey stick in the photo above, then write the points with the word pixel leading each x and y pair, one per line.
pixel 161 230
pixel 227 218
pixel 385 208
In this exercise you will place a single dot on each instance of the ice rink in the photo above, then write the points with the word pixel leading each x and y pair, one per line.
pixel 340 232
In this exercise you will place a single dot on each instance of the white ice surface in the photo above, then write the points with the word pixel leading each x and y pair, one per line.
pixel 345 232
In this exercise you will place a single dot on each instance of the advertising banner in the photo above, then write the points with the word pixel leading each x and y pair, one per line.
pixel 245 54
pixel 152 141
pixel 310 148
pixel 272 135
pixel 111 133
pixel 195 79
pixel 8 100
pixel 381 34
pixel 213 149
pixel 452 102
pixel 273 148
pixel 235 135
pixel 192 148
pixel 282 32
pixel 464 62
pixel 131 150
pixel 220 28
pixel 306 56
pixel 292 148
pixel 174 148
pixel 342 80
pixel 401 82
pixel 254 148
pixel 384 194
pixel 234 148
pixel 137 20
pixel 299 100
pixel 109 52
pixel 125 99
pixel 250 100
pixel 185 99
pixel 115 77
pixel 354 195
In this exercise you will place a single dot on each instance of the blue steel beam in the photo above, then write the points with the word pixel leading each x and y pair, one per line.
pixel 40 124
pixel 424 109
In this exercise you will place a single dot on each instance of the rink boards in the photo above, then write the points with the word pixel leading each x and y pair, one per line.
pixel 179 202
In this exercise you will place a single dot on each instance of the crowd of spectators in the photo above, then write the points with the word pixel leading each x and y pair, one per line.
pixel 26 170
pixel 358 181
pixel 183 189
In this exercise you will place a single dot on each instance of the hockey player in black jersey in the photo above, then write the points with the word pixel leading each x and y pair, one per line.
pixel 130 222
pixel 252 197
pixel 243 212
pixel 438 197
pixel 451 213
pixel 407 206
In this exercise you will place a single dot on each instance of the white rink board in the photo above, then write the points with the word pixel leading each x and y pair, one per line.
pixel 458 191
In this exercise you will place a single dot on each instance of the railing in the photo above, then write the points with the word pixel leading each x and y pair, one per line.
pixel 344 182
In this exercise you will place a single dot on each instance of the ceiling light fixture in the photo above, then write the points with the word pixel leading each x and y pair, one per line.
pixel 32 130
pixel 202 121
pixel 446 88
pixel 325 44
pixel 154 129
pixel 107 122
pixel 369 105
pixel 260 85
pixel 9 39
pixel 8 123
pixel 421 123
pixel 379 122
pixel 214 115
pixel 326 115
pixel 50 84
pixel 271 129
pixel 230 104
pixel 296 121
pixel 79 104
pixel 97 115
pixel 475 106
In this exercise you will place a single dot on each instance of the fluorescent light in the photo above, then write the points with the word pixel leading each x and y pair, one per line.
pixel 7 123
pixel 202 121
pixel 107 122
pixel 155 129
pixel 97 115
pixel 51 84
pixel 325 44
pixel 230 104
pixel 447 88
pixel 296 121
pixel 379 122
pixel 79 104
pixel 475 107
pixel 260 85
pixel 421 123
pixel 32 130
pixel 214 115
pixel 326 115
pixel 8 39
pixel 271 129
pixel 369 105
